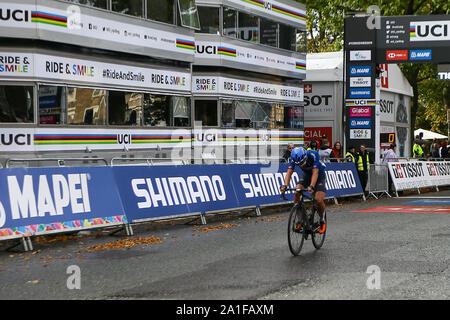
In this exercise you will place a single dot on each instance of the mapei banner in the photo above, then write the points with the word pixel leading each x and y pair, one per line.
pixel 419 174
pixel 154 192
pixel 49 200
pixel 41 200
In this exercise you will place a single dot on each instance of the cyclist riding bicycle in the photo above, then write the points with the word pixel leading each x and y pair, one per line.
pixel 313 177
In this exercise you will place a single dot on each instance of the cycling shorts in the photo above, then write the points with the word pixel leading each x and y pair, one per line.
pixel 305 181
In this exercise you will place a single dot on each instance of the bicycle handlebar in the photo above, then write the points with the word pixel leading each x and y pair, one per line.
pixel 293 189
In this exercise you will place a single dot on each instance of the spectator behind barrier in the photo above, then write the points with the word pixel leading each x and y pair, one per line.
pixel 337 152
pixel 325 152
pixel 287 152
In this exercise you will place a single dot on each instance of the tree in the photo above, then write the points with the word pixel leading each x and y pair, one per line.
pixel 325 27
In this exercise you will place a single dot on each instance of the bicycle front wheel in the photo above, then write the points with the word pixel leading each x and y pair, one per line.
pixel 295 231
pixel 318 238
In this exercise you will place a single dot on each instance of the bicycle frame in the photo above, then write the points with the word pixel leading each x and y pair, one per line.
pixel 300 205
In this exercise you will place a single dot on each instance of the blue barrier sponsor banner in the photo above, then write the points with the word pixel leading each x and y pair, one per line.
pixel 154 192
pixel 50 199
pixel 162 191
pixel 257 184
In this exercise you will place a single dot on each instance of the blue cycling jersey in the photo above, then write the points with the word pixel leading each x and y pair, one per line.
pixel 312 162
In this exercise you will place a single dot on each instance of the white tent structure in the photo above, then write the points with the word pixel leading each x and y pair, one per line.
pixel 429 135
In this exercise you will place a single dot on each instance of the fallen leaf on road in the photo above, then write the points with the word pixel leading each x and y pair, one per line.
pixel 219 227
pixel 124 243
pixel 33 281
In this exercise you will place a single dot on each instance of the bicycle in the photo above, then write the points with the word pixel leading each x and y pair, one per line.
pixel 304 221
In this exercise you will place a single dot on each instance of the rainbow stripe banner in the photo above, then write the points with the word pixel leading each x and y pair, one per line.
pixel 412 32
pixel 185 44
pixel 49 139
pixel 300 65
pixel 158 138
pixel 226 51
pixel 278 9
pixel 288 12
pixel 258 3
pixel 360 102
pixel 48 18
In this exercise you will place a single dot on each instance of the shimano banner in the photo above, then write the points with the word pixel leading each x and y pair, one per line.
pixel 154 192
pixel 163 191
pixel 258 184
pixel 36 201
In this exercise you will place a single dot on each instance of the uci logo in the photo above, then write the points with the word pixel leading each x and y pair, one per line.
pixel 17 15
pixel 206 49
pixel 437 30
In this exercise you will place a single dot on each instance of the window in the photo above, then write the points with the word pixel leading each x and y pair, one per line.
pixel 52 104
pixel 166 111
pixel 277 116
pixel 287 37
pixel 228 109
pixel 131 7
pixel 161 10
pixel 93 3
pixel 86 106
pixel 16 104
pixel 293 117
pixel 229 22
pixel 156 111
pixel 251 114
pixel 269 32
pixel 248 27
pixel 189 14
pixel 181 107
pixel 301 41
pixel 209 20
pixel 206 112
pixel 124 108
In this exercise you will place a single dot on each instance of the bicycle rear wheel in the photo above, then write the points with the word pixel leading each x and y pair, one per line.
pixel 318 238
pixel 295 234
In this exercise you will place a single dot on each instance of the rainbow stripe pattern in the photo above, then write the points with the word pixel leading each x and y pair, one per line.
pixel 300 65
pixel 27 231
pixel 258 3
pixel 65 139
pixel 412 32
pixel 352 102
pixel 185 44
pixel 288 12
pixel 278 9
pixel 226 51
pixel 158 138
pixel 238 137
pixel 48 18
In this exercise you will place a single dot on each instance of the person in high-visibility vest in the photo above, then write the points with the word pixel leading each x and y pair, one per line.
pixel 362 161
pixel 350 156
pixel 417 150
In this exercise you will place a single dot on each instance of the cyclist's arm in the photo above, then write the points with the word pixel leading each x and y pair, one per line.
pixel 288 177
pixel 314 177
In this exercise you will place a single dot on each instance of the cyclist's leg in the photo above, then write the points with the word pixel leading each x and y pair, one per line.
pixel 297 194
pixel 320 194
